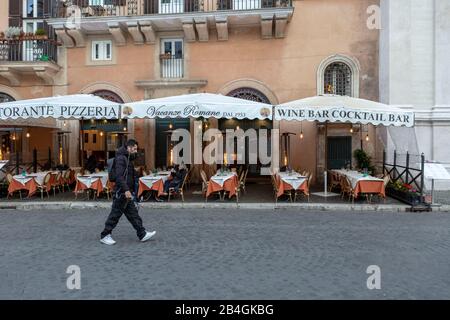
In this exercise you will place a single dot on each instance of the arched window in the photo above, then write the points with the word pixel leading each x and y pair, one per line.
pixel 249 94
pixel 338 74
pixel 108 95
pixel 338 79
pixel 6 97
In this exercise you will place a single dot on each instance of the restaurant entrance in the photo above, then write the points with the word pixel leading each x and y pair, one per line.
pixel 339 153
pixel 246 124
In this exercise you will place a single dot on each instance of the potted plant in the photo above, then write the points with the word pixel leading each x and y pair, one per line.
pixel 363 161
pixel 40 34
pixel 166 55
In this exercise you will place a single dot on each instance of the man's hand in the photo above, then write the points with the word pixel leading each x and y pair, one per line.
pixel 128 195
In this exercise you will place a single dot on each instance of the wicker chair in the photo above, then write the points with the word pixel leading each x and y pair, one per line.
pixel 44 186
pixel 173 192
pixel 346 189
pixel 276 189
pixel 334 181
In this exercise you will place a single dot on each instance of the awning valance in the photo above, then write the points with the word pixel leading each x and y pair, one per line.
pixel 333 108
pixel 76 106
pixel 197 105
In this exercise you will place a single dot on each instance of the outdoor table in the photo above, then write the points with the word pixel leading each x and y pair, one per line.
pixel 362 183
pixel 293 181
pixel 153 182
pixel 96 181
pixel 223 181
pixel 30 182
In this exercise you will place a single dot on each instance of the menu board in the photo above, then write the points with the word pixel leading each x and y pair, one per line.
pixel 436 171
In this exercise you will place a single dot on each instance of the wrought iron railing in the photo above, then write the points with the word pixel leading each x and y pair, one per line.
pixel 172 66
pixel 28 50
pixel 95 8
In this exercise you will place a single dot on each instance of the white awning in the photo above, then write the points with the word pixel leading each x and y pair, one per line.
pixel 333 108
pixel 198 105
pixel 75 106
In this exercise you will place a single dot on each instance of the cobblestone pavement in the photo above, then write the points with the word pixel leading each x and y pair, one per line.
pixel 226 254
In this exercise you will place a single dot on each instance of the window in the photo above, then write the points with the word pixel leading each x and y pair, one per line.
pixel 338 79
pixel 94 138
pixel 86 138
pixel 100 2
pixel 101 50
pixel 171 6
pixel 172 65
pixel 5 97
pixel 33 8
pixel 338 74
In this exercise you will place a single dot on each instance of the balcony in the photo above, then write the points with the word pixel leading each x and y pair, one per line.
pixel 24 57
pixel 103 8
pixel 75 19
pixel 172 66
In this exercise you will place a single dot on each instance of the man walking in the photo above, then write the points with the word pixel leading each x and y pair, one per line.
pixel 123 199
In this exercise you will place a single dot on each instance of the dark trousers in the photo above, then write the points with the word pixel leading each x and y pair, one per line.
pixel 123 206
pixel 171 184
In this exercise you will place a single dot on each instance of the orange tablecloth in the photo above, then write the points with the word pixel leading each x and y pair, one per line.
pixel 369 187
pixel 96 185
pixel 229 185
pixel 283 186
pixel 157 186
pixel 31 186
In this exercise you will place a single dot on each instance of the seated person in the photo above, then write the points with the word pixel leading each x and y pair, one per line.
pixel 178 174
pixel 91 163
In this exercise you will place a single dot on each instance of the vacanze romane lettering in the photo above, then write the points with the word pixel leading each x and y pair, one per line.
pixel 60 111
pixel 167 111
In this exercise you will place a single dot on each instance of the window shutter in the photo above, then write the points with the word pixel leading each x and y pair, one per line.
pixel 15 13
pixel 151 7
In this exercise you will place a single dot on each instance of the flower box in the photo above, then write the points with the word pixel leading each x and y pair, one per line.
pixel 410 198
pixel 165 56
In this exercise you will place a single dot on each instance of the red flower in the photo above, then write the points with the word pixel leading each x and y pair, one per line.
pixel 407 186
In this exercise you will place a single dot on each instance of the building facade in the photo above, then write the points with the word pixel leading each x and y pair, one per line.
pixel 414 64
pixel 265 50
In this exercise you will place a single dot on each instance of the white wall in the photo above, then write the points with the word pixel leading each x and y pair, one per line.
pixel 414 68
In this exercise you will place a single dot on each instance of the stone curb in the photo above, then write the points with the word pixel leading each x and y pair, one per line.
pixel 67 205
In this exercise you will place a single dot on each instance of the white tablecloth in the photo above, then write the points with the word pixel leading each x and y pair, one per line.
pixel 88 180
pixel 354 177
pixel 221 178
pixel 38 177
pixel 295 179
pixel 21 179
pixel 151 179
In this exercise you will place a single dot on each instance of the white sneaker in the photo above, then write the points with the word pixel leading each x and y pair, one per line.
pixel 148 235
pixel 108 240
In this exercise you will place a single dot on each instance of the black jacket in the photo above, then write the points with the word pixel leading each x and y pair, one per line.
pixel 126 176
pixel 91 163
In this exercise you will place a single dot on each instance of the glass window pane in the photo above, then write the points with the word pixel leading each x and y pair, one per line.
pixel 178 49
pixel 40 8
pixel 168 47
pixel 30 8
pixel 97 51
pixel 108 51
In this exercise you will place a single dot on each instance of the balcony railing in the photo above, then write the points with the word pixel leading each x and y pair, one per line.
pixel 28 50
pixel 172 66
pixel 87 8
